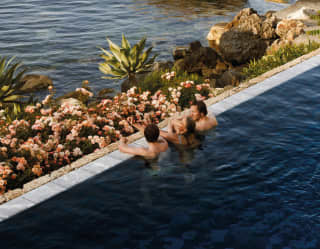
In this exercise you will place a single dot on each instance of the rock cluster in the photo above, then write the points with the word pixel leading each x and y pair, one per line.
pixel 247 36
pixel 196 59
pixel 206 62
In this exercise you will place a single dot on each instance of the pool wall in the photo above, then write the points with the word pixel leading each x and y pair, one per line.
pixel 88 166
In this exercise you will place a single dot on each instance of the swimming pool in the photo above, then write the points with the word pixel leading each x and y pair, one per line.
pixel 255 183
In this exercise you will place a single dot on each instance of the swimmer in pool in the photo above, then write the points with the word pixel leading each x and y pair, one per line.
pixel 182 134
pixel 199 113
pixel 156 144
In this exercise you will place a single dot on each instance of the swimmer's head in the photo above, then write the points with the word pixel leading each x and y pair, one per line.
pixel 188 126
pixel 151 133
pixel 198 110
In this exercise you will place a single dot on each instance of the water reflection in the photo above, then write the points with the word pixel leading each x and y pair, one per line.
pixel 194 8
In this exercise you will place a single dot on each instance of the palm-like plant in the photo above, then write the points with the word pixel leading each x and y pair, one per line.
pixel 10 82
pixel 126 61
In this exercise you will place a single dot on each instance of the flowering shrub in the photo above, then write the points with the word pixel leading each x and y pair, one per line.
pixel 163 80
pixel 51 136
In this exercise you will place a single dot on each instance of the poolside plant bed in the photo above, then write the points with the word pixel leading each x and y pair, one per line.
pixel 52 136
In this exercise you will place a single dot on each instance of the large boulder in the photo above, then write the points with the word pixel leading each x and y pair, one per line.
pixel 290 29
pixel 246 37
pixel 248 20
pixel 238 47
pixel 35 82
pixel 197 59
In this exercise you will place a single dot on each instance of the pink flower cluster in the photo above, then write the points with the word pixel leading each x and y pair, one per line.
pixel 168 76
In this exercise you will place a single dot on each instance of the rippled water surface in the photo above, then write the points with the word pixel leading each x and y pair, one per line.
pixel 255 183
pixel 61 38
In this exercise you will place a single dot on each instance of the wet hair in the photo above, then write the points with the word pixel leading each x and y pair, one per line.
pixel 189 135
pixel 190 125
pixel 151 133
pixel 202 108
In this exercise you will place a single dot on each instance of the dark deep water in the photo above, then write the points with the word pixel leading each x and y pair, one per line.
pixel 254 184
pixel 61 38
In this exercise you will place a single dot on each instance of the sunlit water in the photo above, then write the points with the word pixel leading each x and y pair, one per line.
pixel 254 184
pixel 61 38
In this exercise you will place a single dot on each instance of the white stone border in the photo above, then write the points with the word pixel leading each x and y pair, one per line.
pixel 114 158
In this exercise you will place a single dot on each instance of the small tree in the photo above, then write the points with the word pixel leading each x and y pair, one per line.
pixel 126 61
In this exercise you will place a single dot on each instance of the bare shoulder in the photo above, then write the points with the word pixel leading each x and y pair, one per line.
pixel 206 124
pixel 212 120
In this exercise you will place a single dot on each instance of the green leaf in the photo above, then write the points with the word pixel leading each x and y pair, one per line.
pixel 144 57
pixel 12 98
pixel 125 43
pixel 115 49
pixel 106 53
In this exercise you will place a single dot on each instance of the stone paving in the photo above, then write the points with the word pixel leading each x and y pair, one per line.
pixel 104 163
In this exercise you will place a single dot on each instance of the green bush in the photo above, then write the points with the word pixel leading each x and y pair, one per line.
pixel 278 58
pixel 153 81
pixel 313 32
pixel 316 17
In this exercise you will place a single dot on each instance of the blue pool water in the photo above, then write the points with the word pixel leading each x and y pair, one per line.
pixel 254 183
pixel 61 38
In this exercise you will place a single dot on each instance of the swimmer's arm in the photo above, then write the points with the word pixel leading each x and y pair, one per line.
pixel 163 143
pixel 139 127
pixel 137 151
pixel 169 136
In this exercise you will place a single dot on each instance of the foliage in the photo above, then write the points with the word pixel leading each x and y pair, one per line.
pixel 156 80
pixel 316 17
pixel 125 61
pixel 10 86
pixel 278 58
pixel 313 32
pixel 165 80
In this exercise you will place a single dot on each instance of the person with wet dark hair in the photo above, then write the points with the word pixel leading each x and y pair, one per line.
pixel 183 134
pixel 151 133
pixel 156 144
pixel 199 114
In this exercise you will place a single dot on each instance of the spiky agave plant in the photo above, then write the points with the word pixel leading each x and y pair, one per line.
pixel 10 86
pixel 126 61
pixel 10 82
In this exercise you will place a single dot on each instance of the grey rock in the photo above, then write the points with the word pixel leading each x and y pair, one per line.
pixel 230 77
pixel 197 59
pixel 239 47
pixel 179 53
pixel 35 82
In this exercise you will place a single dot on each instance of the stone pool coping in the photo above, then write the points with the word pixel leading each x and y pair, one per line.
pixel 93 164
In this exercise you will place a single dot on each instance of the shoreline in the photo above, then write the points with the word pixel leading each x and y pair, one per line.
pixel 113 148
